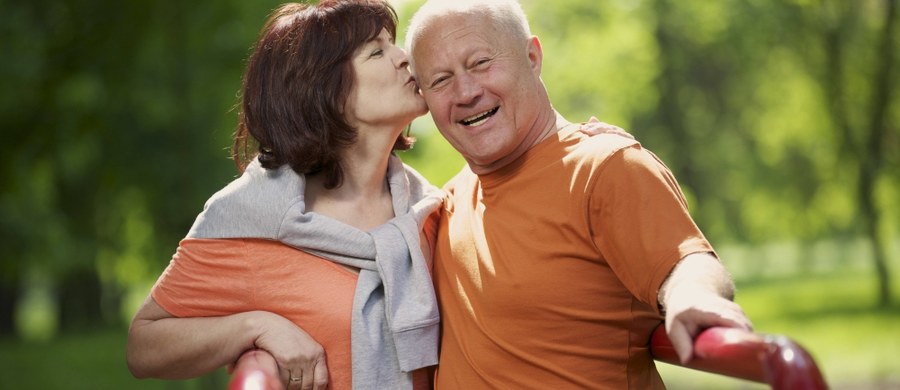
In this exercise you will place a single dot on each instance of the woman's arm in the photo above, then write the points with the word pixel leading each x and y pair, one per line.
pixel 167 347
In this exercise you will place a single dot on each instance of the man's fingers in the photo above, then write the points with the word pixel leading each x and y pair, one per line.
pixel 731 316
pixel 734 322
pixel 686 326
pixel 682 340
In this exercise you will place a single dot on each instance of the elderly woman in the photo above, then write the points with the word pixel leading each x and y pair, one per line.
pixel 317 244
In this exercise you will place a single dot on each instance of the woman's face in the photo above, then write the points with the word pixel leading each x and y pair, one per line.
pixel 384 92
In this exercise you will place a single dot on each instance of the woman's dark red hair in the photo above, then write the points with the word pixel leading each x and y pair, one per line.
pixel 297 81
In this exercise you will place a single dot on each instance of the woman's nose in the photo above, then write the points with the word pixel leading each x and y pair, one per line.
pixel 401 59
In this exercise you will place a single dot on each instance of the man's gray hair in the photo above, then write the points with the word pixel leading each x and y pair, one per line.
pixel 507 14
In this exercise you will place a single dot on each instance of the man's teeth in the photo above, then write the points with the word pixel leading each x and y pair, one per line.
pixel 480 118
pixel 476 123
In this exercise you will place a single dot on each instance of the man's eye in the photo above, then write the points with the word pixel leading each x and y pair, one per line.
pixel 438 81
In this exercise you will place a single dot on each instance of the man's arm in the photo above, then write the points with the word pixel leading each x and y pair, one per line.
pixel 163 346
pixel 698 294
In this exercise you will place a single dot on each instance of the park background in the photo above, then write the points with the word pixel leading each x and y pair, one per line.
pixel 780 118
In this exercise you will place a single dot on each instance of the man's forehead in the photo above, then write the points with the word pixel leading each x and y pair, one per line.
pixel 436 58
pixel 452 35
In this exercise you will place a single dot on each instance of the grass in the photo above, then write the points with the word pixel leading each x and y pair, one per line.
pixel 832 315
pixel 90 360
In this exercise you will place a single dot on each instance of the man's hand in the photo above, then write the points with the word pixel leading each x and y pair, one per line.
pixel 594 127
pixel 697 295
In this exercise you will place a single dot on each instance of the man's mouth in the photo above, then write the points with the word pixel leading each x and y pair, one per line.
pixel 480 118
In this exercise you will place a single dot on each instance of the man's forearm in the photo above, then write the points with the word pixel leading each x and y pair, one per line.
pixel 698 294
pixel 697 273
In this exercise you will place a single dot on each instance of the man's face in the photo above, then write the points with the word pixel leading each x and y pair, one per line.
pixel 480 84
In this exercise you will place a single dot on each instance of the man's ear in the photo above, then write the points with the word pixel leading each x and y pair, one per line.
pixel 535 54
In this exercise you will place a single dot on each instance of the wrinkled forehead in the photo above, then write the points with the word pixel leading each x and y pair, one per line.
pixel 450 35
pixel 505 13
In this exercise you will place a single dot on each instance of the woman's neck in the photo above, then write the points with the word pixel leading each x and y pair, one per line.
pixel 365 162
pixel 363 199
pixel 365 174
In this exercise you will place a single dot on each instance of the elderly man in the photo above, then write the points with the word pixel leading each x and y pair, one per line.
pixel 558 253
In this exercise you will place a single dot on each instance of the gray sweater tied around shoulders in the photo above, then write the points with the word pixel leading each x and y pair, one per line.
pixel 395 320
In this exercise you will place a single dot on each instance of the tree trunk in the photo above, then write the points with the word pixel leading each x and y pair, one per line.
pixel 669 108
pixel 867 149
pixel 873 155
pixel 9 296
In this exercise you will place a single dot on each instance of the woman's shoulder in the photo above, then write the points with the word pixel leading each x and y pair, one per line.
pixel 250 206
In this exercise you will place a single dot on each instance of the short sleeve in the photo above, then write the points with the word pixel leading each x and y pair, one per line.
pixel 640 221
pixel 206 277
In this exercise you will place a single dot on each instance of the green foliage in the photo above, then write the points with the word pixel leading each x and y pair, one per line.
pixel 118 120
pixel 118 116
pixel 432 155
pixel 821 308
pixel 591 65
pixel 728 94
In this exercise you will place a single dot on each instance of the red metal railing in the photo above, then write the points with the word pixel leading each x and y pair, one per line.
pixel 775 360
pixel 255 370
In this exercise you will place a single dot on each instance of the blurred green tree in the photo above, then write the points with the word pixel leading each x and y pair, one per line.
pixel 779 117
pixel 761 108
pixel 118 117
pixel 865 127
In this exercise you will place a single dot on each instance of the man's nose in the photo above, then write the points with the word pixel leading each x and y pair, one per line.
pixel 466 88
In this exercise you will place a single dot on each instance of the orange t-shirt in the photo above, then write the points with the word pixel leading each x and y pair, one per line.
pixel 547 271
pixel 216 277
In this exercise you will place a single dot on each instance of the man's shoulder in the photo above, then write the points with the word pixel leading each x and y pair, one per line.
pixel 596 149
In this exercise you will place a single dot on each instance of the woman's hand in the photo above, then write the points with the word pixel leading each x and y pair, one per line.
pixel 301 360
pixel 595 127
pixel 163 346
